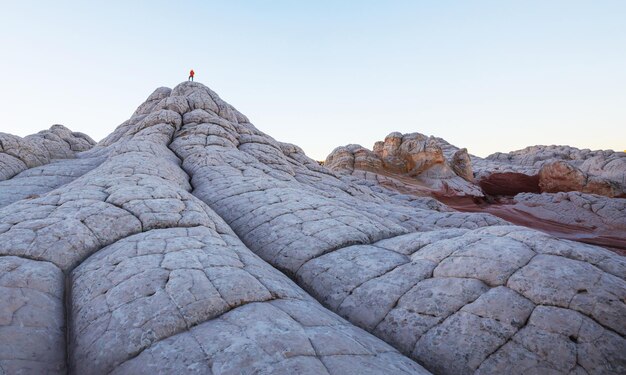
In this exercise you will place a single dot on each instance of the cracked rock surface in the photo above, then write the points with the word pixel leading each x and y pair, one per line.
pixel 18 154
pixel 188 241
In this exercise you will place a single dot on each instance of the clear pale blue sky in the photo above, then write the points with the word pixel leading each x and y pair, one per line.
pixel 486 75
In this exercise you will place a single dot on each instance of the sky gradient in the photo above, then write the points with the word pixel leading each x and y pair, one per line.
pixel 486 75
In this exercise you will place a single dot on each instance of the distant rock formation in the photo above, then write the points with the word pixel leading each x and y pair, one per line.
pixel 564 168
pixel 195 243
pixel 44 161
pixel 429 166
pixel 18 154
pixel 587 210
pixel 412 163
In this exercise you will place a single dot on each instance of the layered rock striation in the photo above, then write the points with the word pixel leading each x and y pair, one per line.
pixel 195 243
pixel 418 165
pixel 410 163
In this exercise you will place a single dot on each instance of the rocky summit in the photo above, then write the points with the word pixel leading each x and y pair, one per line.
pixel 188 241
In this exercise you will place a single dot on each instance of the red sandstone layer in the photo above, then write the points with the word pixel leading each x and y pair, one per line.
pixel 604 237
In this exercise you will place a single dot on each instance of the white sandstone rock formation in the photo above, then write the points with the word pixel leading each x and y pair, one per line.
pixel 582 209
pixel 40 162
pixel 418 165
pixel 417 162
pixel 196 243
pixel 565 168
pixel 18 154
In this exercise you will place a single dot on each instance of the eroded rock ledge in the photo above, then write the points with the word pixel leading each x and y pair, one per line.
pixel 411 163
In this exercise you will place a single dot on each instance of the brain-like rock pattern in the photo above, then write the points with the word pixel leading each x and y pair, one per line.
pixel 191 242
pixel 587 210
pixel 41 162
pixel 18 154
pixel 594 218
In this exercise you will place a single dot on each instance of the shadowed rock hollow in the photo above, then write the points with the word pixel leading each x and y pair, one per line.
pixel 188 241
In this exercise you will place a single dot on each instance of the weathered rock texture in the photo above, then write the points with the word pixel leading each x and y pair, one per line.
pixel 589 187
pixel 18 154
pixel 418 165
pixel 564 168
pixel 195 243
pixel 40 162
pixel 410 163
pixel 596 219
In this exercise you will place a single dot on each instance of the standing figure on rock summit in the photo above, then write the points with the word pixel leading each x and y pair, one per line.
pixel 191 74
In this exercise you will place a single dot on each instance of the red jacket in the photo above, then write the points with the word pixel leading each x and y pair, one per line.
pixel 192 73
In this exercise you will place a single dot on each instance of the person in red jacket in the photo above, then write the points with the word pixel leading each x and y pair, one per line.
pixel 191 74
